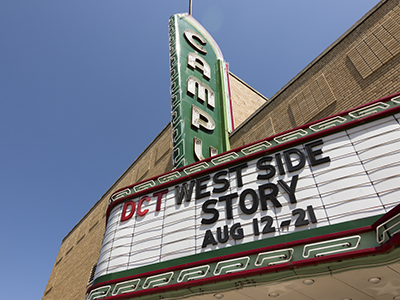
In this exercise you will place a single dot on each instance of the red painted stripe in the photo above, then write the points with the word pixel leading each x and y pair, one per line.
pixel 230 97
pixel 263 270
pixel 394 241
pixel 390 214
pixel 239 254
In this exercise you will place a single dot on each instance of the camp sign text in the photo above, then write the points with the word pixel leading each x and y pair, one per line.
pixel 200 102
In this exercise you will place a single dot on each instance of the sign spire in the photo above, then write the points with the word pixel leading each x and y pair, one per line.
pixel 190 7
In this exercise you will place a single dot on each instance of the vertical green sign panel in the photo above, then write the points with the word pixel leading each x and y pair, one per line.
pixel 201 116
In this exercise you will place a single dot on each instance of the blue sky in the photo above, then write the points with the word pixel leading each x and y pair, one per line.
pixel 84 88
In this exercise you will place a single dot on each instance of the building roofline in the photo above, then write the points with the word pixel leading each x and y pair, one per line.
pixel 116 182
pixel 248 86
pixel 311 64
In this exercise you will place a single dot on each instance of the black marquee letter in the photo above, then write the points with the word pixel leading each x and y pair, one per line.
pixel 271 196
pixel 288 161
pixel 208 239
pixel 279 164
pixel 237 231
pixel 226 234
pixel 269 168
pixel 200 186
pixel 242 205
pixel 290 190
pixel 183 191
pixel 238 170
pixel 228 204
pixel 207 210
pixel 312 154
pixel 219 180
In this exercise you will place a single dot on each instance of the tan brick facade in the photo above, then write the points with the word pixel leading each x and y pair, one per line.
pixel 359 67
pixel 81 247
pixel 244 98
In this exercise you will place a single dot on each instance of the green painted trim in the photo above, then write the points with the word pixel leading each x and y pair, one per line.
pixel 225 116
pixel 295 236
pixel 305 245
pixel 282 276
pixel 343 121
pixel 353 251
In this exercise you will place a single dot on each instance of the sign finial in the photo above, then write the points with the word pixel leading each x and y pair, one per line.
pixel 190 7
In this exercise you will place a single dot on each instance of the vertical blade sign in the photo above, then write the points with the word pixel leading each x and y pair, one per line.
pixel 201 115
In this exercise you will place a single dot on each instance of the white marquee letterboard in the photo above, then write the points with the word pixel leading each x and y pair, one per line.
pixel 356 174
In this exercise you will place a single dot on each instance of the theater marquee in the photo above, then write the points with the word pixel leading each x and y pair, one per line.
pixel 323 195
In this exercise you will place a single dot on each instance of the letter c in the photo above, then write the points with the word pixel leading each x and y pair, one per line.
pixel 190 36
pixel 139 208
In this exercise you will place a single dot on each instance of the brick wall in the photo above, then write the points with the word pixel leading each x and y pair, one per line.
pixel 361 66
pixel 245 99
pixel 80 249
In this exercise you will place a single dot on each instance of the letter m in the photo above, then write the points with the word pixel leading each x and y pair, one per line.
pixel 202 90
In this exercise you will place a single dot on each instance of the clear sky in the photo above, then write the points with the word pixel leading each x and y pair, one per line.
pixel 84 88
